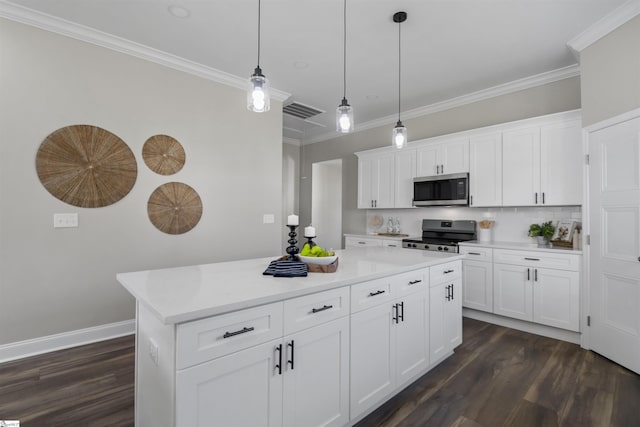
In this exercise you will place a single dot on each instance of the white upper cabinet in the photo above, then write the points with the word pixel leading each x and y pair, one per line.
pixel 542 164
pixel 443 157
pixel 485 170
pixel 376 181
pixel 405 172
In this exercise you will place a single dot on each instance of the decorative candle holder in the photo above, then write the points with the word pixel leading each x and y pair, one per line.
pixel 292 250
pixel 310 242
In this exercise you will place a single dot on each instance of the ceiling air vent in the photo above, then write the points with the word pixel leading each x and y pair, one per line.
pixel 301 111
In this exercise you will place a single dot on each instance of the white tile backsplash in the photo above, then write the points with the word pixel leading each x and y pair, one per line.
pixel 511 224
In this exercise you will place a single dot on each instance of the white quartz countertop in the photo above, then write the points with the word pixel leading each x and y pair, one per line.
pixel 521 246
pixel 386 236
pixel 182 294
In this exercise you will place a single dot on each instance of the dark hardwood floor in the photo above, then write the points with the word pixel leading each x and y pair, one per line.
pixel 497 377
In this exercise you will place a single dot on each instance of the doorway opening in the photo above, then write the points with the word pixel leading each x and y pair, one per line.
pixel 326 202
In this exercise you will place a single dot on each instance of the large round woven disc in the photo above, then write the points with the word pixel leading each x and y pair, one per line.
pixel 86 166
pixel 163 154
pixel 174 208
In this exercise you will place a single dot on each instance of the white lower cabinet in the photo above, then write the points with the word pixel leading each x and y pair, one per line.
pixel 299 381
pixel 239 390
pixel 477 278
pixel 526 288
pixel 445 319
pixel 389 343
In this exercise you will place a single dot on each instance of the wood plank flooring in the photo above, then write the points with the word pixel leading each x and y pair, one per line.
pixel 90 385
pixel 497 377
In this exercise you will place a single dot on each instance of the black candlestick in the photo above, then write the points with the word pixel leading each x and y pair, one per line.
pixel 310 242
pixel 292 250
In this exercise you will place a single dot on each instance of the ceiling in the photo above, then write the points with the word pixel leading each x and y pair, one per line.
pixel 450 48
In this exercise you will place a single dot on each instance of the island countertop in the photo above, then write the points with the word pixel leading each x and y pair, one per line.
pixel 182 294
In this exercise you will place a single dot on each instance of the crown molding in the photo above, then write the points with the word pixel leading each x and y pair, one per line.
pixel 604 26
pixel 86 34
pixel 492 92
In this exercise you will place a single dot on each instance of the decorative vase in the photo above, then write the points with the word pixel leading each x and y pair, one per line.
pixel 542 241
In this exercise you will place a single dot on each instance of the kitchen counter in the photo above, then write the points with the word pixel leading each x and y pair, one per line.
pixel 386 236
pixel 181 294
pixel 520 246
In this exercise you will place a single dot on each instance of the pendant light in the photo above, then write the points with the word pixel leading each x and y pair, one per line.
pixel 344 112
pixel 399 131
pixel 258 94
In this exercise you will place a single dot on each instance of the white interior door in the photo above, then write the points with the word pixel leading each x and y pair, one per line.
pixel 614 209
pixel 326 204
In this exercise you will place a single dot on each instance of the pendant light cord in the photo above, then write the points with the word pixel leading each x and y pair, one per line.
pixel 344 58
pixel 259 33
pixel 399 67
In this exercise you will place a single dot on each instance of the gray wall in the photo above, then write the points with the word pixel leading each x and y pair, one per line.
pixel 559 96
pixel 58 280
pixel 610 70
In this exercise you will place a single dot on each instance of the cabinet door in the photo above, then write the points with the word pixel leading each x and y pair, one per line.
pixel 521 167
pixel 512 291
pixel 405 169
pixel 316 380
pixel 238 390
pixel 453 316
pixel 411 337
pixel 561 163
pixel 477 282
pixel 438 347
pixel 372 358
pixel 556 300
pixel 485 170
pixel 454 156
pixel 427 160
pixel 384 181
pixel 366 182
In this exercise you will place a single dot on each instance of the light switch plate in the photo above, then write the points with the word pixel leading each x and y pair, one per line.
pixel 268 218
pixel 66 220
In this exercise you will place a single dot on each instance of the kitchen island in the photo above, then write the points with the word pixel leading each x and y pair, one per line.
pixel 224 345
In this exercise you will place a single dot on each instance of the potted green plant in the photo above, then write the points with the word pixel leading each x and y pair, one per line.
pixel 542 232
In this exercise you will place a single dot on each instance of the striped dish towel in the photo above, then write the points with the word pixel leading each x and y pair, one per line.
pixel 286 268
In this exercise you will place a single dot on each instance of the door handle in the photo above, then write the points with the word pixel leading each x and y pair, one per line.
pixel 543 198
pixel 394 317
pixel 474 253
pixel 241 331
pixel 447 271
pixel 279 364
pixel 401 315
pixel 290 361
pixel 528 274
pixel 441 168
pixel 536 198
pixel 373 294
pixel 413 282
pixel 437 169
pixel 535 274
pixel 323 308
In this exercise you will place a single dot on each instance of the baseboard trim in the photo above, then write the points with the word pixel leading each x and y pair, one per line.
pixel 532 328
pixel 33 347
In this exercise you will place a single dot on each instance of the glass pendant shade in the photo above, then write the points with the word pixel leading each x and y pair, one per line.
pixel 258 93
pixel 399 135
pixel 344 117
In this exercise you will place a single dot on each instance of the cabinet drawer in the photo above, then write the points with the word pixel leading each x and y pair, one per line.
pixel 474 253
pixel 206 339
pixel 445 272
pixel 558 261
pixel 410 282
pixel 362 241
pixel 371 293
pixel 310 310
pixel 390 243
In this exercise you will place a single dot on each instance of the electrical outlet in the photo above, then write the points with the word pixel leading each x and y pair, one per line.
pixel 67 220
pixel 153 351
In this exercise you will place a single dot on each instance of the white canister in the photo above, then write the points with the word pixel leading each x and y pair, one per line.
pixel 484 235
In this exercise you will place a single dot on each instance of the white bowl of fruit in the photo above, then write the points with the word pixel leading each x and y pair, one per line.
pixel 316 255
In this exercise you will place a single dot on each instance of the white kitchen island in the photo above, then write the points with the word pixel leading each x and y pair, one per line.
pixel 224 345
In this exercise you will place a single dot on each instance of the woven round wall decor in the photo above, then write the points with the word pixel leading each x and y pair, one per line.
pixel 174 208
pixel 163 154
pixel 86 166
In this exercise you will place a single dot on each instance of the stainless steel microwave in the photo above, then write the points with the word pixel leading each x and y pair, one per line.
pixel 441 190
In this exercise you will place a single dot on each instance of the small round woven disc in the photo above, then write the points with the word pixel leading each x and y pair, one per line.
pixel 163 154
pixel 86 166
pixel 174 208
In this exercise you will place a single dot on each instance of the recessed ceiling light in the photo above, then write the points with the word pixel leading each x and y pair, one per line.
pixel 300 64
pixel 179 11
pixel 372 97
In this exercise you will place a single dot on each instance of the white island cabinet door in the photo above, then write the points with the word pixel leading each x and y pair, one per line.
pixel 239 390
pixel 411 337
pixel 316 381
pixel 372 358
